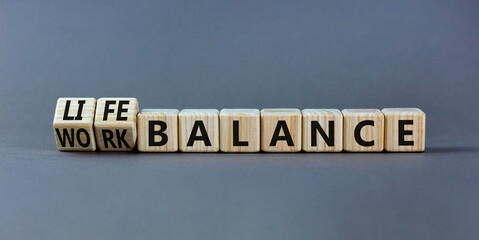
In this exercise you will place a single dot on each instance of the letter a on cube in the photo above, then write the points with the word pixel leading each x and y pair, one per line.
pixel 73 124
pixel 363 130
pixel 199 130
pixel 280 130
pixel 158 130
pixel 405 130
pixel 115 124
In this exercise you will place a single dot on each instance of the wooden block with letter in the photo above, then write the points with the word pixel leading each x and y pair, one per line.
pixel 363 130
pixel 239 130
pixel 198 130
pixel 157 130
pixel 281 130
pixel 73 124
pixel 322 130
pixel 405 130
pixel 115 124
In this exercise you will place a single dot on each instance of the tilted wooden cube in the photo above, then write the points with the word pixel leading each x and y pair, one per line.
pixel 115 124
pixel 322 130
pixel 73 124
pixel 157 130
pixel 240 130
pixel 198 130
pixel 363 130
pixel 280 130
pixel 405 130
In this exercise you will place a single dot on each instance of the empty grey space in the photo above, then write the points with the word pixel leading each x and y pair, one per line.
pixel 240 54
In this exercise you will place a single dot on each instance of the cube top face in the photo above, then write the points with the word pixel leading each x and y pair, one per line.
pixel 322 130
pixel 159 112
pixel 157 130
pixel 198 130
pixel 240 111
pixel 405 130
pixel 362 112
pixel 240 130
pixel 405 111
pixel 323 112
pixel 281 130
pixel 67 111
pixel 116 111
pixel 199 112
pixel 363 130
pixel 280 112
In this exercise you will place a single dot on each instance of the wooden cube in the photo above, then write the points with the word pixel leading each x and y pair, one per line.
pixel 198 130
pixel 280 130
pixel 115 124
pixel 240 130
pixel 405 130
pixel 363 130
pixel 73 124
pixel 157 130
pixel 322 130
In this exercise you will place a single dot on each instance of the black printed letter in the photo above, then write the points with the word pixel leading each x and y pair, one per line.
pixel 87 142
pixel 108 138
pixel 315 127
pixel 107 109
pixel 357 133
pixel 121 110
pixel 236 141
pixel 402 132
pixel 287 136
pixel 152 133
pixel 202 137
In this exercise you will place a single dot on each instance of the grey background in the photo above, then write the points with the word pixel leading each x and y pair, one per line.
pixel 218 54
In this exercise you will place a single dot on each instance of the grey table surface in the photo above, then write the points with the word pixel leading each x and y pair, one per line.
pixel 255 54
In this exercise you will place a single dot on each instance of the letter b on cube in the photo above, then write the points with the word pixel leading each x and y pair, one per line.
pixel 158 130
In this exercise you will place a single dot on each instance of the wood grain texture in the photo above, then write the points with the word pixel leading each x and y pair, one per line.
pixel 170 118
pixel 270 117
pixel 323 117
pixel 83 138
pixel 415 141
pixel 352 117
pixel 248 130
pixel 209 119
pixel 120 135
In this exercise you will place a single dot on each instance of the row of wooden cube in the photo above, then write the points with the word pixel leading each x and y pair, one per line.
pixel 114 124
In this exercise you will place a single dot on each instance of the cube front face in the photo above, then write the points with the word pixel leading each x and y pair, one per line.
pixel 115 124
pixel 240 130
pixel 322 130
pixel 363 130
pixel 281 130
pixel 157 130
pixel 405 130
pixel 73 124
pixel 198 130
